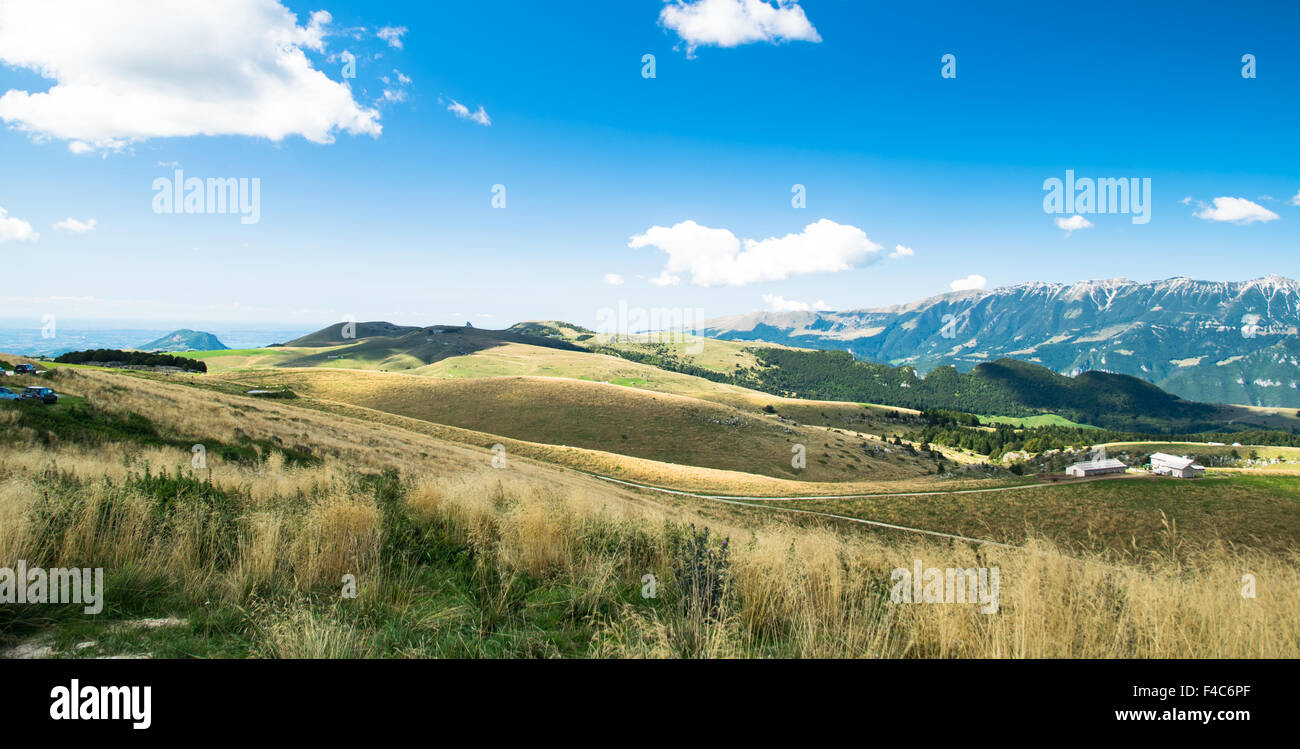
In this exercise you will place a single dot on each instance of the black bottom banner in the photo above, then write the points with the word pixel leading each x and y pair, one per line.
pixel 147 699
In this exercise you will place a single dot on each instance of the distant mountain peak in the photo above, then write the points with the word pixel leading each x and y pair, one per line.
pixel 1216 341
pixel 184 340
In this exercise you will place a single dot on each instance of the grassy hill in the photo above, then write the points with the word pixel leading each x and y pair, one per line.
pixel 455 558
pixel 611 418
pixel 1006 387
pixel 226 359
pixel 333 334
pixel 408 348
pixel 1010 388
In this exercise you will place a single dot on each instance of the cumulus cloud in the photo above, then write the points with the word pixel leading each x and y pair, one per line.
pixel 781 304
pixel 730 23
pixel 1295 199
pixel 15 229
pixel 75 226
pixel 716 257
pixel 463 112
pixel 127 72
pixel 1073 224
pixel 973 281
pixel 1235 210
pixel 613 279
pixel 392 35
pixel 901 251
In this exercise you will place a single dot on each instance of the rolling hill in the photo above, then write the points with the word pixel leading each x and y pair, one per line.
pixel 824 387
pixel 381 345
pixel 1212 341
pixel 1004 387
pixel 611 418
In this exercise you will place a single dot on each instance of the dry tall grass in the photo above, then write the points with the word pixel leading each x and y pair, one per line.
pixel 789 591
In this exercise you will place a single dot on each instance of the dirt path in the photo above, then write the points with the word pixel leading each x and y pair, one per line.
pixel 760 502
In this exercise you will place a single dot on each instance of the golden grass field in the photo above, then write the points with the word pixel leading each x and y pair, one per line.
pixel 552 559
pixel 612 418
pixel 525 360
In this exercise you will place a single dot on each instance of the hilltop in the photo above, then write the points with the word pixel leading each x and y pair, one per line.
pixel 184 340
pixel 383 345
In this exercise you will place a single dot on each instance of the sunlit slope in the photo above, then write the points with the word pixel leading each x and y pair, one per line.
pixel 524 360
pixel 227 359
pixel 709 353
pixel 514 360
pixel 612 418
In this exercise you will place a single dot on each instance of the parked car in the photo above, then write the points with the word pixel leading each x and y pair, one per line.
pixel 45 395
pixel 24 369
pixel 7 395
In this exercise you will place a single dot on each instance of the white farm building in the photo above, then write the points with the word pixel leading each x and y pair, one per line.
pixel 1172 465
pixel 1096 468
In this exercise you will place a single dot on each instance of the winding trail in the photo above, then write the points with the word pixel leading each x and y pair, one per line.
pixel 757 502
pixel 761 502
pixel 725 497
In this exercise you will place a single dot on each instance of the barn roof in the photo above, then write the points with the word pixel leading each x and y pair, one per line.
pixel 1099 464
pixel 1173 461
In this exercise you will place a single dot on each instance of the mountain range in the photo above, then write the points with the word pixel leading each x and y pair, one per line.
pixel 1209 341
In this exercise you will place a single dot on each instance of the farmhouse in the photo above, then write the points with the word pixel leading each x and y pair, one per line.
pixel 1096 467
pixel 1172 465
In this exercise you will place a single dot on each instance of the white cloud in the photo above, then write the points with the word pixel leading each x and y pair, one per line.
pixel 1236 210
pixel 15 229
pixel 715 257
pixel 398 82
pixel 126 72
pixel 75 226
pixel 392 35
pixel 901 251
pixel 462 111
pixel 973 281
pixel 613 279
pixel 1073 224
pixel 1186 201
pixel 730 23
pixel 781 304
pixel 1295 199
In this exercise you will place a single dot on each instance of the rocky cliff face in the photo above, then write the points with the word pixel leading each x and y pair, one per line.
pixel 1215 341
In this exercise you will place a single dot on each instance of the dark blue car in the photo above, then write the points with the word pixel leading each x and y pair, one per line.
pixel 44 395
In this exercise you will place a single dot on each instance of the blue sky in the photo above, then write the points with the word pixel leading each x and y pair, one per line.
pixel 394 220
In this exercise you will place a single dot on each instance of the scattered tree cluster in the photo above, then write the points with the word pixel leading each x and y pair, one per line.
pixel 131 358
